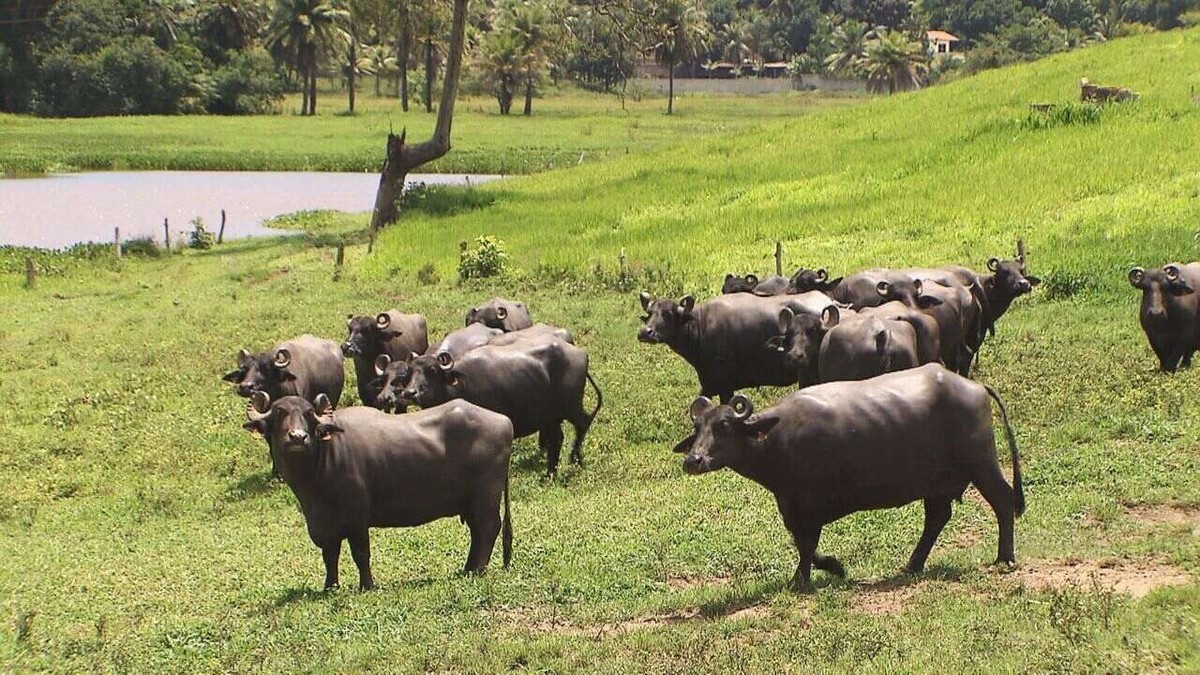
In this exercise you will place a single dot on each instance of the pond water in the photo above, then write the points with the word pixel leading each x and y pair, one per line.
pixel 60 210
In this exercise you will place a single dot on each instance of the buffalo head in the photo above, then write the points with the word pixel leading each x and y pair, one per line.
pixel 432 380
pixel 391 379
pixel 734 284
pixel 291 424
pixel 367 334
pixel 1159 288
pixel 665 319
pixel 904 289
pixel 1009 277
pixel 263 372
pixel 724 434
pixel 805 280
pixel 800 336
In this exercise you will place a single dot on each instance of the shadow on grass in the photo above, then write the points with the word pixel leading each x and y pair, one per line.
pixel 253 485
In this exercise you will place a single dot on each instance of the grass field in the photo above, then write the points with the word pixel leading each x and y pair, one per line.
pixel 140 530
pixel 567 128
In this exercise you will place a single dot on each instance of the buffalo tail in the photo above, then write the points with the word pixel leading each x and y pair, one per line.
pixel 881 350
pixel 1018 491
pixel 506 527
pixel 599 396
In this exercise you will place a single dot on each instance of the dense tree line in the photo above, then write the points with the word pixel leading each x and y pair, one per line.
pixel 112 57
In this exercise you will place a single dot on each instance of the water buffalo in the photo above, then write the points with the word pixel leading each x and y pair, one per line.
pixel 392 333
pixel 838 448
pixel 304 366
pixel 805 280
pixel 537 382
pixel 359 468
pixel 856 347
pixel 536 330
pixel 874 287
pixel 724 338
pixel 459 342
pixel 507 315
pixel 1170 313
pixel 772 285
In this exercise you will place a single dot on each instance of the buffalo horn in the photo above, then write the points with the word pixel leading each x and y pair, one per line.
pixel 383 320
pixel 445 361
pixel 1172 272
pixel 1135 275
pixel 502 313
pixel 283 358
pixel 381 363
pixel 993 264
pixel 259 406
pixel 699 406
pixel 822 274
pixel 742 407
pixel 882 287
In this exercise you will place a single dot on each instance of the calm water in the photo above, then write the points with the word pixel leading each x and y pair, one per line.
pixel 57 211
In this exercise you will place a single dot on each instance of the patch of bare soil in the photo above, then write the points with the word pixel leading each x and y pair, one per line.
pixel 887 597
pixel 1134 578
pixel 1165 514
pixel 564 626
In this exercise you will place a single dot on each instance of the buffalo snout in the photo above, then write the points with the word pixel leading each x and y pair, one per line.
pixel 648 335
pixel 350 349
pixel 297 437
pixel 696 464
pixel 245 390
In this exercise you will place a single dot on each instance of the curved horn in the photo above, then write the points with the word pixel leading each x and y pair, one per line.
pixel 502 313
pixel 699 406
pixel 882 288
pixel 445 361
pixel 742 407
pixel 349 319
pixel 645 299
pixel 381 364
pixel 243 357
pixel 322 405
pixel 785 319
pixel 1136 275
pixel 830 317
pixel 752 279
pixel 822 274
pixel 1172 272
pixel 917 285
pixel 259 406
pixel 383 320
pixel 283 358
pixel 993 264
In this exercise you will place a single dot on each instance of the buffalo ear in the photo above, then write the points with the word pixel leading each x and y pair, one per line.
pixel 759 425
pixel 645 299
pixel 785 319
pixel 381 363
pixel 322 405
pixel 831 316
pixel 256 427
pixel 1033 281
pixel 684 445
pixel 471 313
pixel 927 301
pixel 728 277
pixel 1181 287
pixel 234 375
pixel 830 285
pixel 454 377
pixel 325 431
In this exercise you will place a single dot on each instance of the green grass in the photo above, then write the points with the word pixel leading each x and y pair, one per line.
pixel 566 129
pixel 139 529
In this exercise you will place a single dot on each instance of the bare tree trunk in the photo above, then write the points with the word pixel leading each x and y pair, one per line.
pixel 671 87
pixel 353 75
pixel 429 74
pixel 528 94
pixel 312 80
pixel 302 66
pixel 405 40
pixel 401 158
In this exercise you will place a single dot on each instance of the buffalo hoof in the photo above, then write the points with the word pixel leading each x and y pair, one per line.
pixel 800 585
pixel 831 565
pixel 473 572
pixel 368 586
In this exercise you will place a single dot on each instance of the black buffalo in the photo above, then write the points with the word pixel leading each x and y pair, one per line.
pixel 838 448
pixel 537 382
pixel 390 333
pixel 507 315
pixel 304 366
pixel 359 468
pixel 805 280
pixel 1170 313
pixel 773 285
pixel 847 345
pixel 724 338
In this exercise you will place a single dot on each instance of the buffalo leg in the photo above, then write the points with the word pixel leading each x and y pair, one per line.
pixel 827 563
pixel 485 526
pixel 806 537
pixel 582 422
pixel 551 439
pixel 937 514
pixel 330 555
pixel 360 548
pixel 999 495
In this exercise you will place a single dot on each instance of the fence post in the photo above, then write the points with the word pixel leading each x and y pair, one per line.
pixel 371 241
pixel 167 234
pixel 221 232
pixel 30 273
pixel 778 258
pixel 337 261
pixel 117 241
pixel 1021 250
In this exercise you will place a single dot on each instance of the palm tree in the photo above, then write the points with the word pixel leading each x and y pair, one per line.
pixel 377 60
pixel 502 59
pixel 301 30
pixel 230 24
pixel 849 43
pixel 893 62
pixel 531 22
pixel 681 27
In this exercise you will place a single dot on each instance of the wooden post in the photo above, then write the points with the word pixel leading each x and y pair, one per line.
pixel 1021 250
pixel 167 234
pixel 337 262
pixel 30 273
pixel 371 242
pixel 221 232
pixel 117 241
pixel 778 258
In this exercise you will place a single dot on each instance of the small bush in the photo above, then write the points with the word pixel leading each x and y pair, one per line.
pixel 428 275
pixel 1062 284
pixel 1067 114
pixel 487 259
pixel 142 246
pixel 443 200
pixel 200 238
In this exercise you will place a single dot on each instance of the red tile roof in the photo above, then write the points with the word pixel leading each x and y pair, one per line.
pixel 940 35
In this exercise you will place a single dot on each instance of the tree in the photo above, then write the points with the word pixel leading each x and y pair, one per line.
pixel 848 45
pixel 681 31
pixel 500 58
pixel 301 30
pixel 377 60
pixel 532 23
pixel 402 158
pixel 429 25
pixel 893 62
pixel 228 25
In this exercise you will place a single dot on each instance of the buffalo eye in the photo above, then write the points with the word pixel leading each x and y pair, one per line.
pixel 724 428
pixel 645 318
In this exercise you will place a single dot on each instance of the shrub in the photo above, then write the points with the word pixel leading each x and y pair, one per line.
pixel 442 200
pixel 141 246
pixel 200 238
pixel 487 259
pixel 1067 114
pixel 428 275
pixel 248 84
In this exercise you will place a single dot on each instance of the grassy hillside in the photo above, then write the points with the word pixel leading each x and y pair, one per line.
pixel 565 129
pixel 140 530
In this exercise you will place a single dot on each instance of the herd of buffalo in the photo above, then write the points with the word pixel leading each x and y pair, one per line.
pixel 885 413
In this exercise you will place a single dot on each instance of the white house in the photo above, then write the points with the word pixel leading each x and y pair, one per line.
pixel 940 41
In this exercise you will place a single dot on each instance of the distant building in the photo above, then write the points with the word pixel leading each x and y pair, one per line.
pixel 940 41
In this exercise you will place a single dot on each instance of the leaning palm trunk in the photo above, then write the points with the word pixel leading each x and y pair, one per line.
pixel 528 94
pixel 402 158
